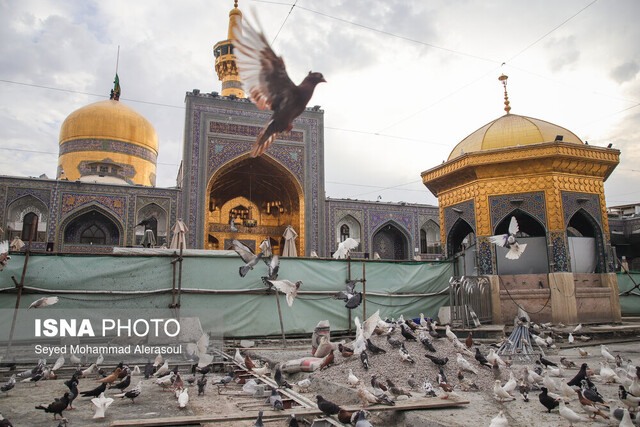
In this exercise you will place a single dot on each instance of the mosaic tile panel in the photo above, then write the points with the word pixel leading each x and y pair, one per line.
pixel 560 251
pixel 573 202
pixel 13 193
pixel 468 214
pixel 71 201
pixel 531 203
pixel 485 256
pixel 252 131
pixel 221 151
pixel 377 218
pixel 108 145
pixel 3 204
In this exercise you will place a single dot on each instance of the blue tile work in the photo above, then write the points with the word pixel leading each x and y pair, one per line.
pixel 13 193
pixel 221 151
pixel 251 131
pixel 531 203
pixel 589 202
pixel 108 145
pixel 560 253
pixel 468 214
pixel 408 218
pixel 116 204
pixel 485 256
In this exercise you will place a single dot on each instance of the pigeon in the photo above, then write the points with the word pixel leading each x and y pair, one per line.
pixel 569 414
pixel 57 406
pixel 589 406
pixel 607 374
pixel 509 241
pixel 547 362
pixel 511 384
pixel 110 378
pixel 345 351
pixel 247 256
pixel 577 328
pixel 428 388
pixel 464 365
pixel 546 400
pixel 344 248
pixel 577 379
pixel 101 403
pixel 524 389
pixel 279 380
pixel 352 380
pixel 381 395
pixel 360 419
pixel 375 382
pixel 374 349
pixel 9 384
pixel 625 421
pixel 627 398
pixel 481 359
pixel 412 382
pixel 605 353
pixel 364 358
pixel 393 342
pixel 404 353
pixel 437 360
pixel 43 302
pixel 567 363
pixel 4 254
pixel 122 384
pixel 202 383
pixel 287 287
pixel 499 420
pixel 406 333
pixel 293 422
pixel 35 378
pixel 95 392
pixel 327 407
pixel 397 391
pixel 268 84
pixel 590 392
pixel 500 393
pixel 273 264
pixel 366 397
pixel 148 370
pixel 178 382
pixel 3 421
pixel 350 296
pixel 131 394
pixel 469 340
pixel 232 224
pixel 75 360
pixel 424 339
pixel 162 369
pixel 303 385
pixel 571 339
pixel 59 363
pixel 450 335
pixel 165 381
pixel 183 398
pixel 158 361
pixel 100 359
pixel 259 422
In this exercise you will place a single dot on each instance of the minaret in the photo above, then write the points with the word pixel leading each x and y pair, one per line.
pixel 226 60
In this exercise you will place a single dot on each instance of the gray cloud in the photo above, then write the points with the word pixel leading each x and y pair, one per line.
pixel 625 72
pixel 563 52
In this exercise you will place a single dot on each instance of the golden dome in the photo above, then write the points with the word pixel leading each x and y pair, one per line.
pixel 109 120
pixel 512 130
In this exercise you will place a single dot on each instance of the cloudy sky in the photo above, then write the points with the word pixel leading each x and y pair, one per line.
pixel 407 80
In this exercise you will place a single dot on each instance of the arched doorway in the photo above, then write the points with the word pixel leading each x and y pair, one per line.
pixel 430 238
pixel 585 243
pixel 390 243
pixel 22 213
pixel 461 243
pixel 535 259
pixel 92 228
pixel 262 197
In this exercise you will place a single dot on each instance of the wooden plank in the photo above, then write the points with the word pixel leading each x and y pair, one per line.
pixel 402 405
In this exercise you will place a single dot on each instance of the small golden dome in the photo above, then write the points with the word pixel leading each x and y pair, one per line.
pixel 109 120
pixel 512 130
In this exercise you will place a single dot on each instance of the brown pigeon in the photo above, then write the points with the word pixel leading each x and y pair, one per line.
pixel 268 84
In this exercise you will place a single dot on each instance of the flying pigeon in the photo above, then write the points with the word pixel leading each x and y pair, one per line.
pixel 273 264
pixel 345 247
pixel 509 240
pixel 247 256
pixel 4 254
pixel 350 296
pixel 101 403
pixel 43 302
pixel 268 84
pixel 287 287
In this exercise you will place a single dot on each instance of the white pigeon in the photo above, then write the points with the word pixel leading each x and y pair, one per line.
pixel 100 359
pixel 577 328
pixel 135 371
pixel 626 419
pixel 162 369
pixel 287 287
pixel 555 372
pixel 607 374
pixel 101 403
pixel 58 363
pixel 509 241
pixel 540 341
pixel 238 357
pixel 370 324
pixel 500 392
pixel 359 345
pixel 571 339
pixel 570 415
pixel 43 302
pixel 549 383
pixel 344 248
pixel 634 387
pixel 511 384
pixel 89 370
pixel 423 321
pixel 566 391
pixel 74 359
pixel 450 334
pixel 493 357
pixel 352 380
pixel 183 398
pixel 303 385
pixel 464 364
pixel 165 381
pixel 314 254
pixel 499 421
pixel 532 376
pixel 605 353
pixel 158 361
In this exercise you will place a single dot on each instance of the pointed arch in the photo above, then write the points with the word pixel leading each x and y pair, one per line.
pixel 460 231
pixel 527 223
pixel 586 247
pixel 391 240
pixel 349 226
pixel 155 218
pixel 430 237
pixel 81 219
pixel 22 212
pixel 533 233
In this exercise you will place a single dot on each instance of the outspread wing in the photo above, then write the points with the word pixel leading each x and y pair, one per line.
pixel 243 250
pixel 499 239
pixel 4 247
pixel 261 70
pixel 513 226
pixel 516 250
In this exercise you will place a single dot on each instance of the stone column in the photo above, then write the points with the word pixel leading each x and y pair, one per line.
pixel 563 298
pixel 610 280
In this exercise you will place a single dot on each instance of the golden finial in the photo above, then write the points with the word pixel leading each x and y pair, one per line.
pixel 235 4
pixel 503 78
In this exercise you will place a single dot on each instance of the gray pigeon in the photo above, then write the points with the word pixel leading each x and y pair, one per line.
pixel 276 400
pixel 361 420
pixel 247 256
